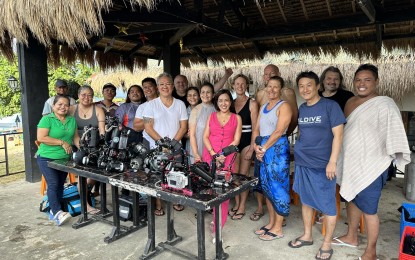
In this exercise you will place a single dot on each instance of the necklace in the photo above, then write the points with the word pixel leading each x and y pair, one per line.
pixel 83 112
pixel 223 118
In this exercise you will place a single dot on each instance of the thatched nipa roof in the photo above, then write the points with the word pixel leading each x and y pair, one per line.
pixel 395 73
pixel 128 32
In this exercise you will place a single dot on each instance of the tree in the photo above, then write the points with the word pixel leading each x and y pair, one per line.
pixel 78 73
pixel 10 100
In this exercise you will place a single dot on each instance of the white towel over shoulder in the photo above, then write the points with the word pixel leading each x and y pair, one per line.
pixel 373 136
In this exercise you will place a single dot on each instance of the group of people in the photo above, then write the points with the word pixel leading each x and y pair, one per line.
pixel 344 139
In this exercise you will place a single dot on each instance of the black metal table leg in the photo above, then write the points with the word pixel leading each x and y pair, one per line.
pixel 83 220
pixel 136 209
pixel 172 237
pixel 201 252
pixel 220 254
pixel 103 197
pixel 115 217
pixel 150 250
pixel 119 231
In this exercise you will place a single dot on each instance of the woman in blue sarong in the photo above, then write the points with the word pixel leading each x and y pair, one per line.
pixel 272 150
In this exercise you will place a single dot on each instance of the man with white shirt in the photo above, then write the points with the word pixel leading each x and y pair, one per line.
pixel 165 116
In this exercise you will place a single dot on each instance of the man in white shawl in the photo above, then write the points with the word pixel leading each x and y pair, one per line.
pixel 373 136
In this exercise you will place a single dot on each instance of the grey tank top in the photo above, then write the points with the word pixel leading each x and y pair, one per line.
pixel 268 119
pixel 93 120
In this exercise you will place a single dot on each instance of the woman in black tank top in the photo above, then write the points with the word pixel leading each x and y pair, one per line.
pixel 247 108
pixel 86 113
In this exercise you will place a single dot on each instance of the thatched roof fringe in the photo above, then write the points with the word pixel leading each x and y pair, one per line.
pixel 53 53
pixel 6 50
pixel 407 44
pixel 108 61
pixel 48 19
pixel 140 62
pixel 87 57
pixel 68 54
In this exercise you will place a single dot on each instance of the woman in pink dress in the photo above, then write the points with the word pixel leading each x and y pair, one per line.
pixel 223 128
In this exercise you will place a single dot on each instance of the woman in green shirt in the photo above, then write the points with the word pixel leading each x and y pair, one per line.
pixel 56 132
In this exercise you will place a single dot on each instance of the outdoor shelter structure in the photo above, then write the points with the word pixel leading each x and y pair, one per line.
pixel 182 32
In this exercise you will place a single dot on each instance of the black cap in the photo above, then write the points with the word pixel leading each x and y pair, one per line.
pixel 61 83
pixel 109 85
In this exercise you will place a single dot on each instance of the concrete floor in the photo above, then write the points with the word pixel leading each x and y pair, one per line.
pixel 26 233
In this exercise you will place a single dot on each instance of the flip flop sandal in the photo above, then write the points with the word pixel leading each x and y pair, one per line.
pixel 321 251
pixel 238 216
pixel 256 216
pixel 337 242
pixel 159 212
pixel 302 243
pixel 232 212
pixel 261 231
pixel 269 236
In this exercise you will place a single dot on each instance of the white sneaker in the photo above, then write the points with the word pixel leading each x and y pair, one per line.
pixel 61 217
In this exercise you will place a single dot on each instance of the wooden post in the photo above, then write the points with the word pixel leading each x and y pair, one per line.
pixel 171 57
pixel 34 81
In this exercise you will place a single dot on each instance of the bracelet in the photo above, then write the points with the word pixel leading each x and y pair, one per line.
pixel 61 143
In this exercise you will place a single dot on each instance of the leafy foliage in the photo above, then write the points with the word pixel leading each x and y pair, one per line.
pixel 76 74
pixel 9 99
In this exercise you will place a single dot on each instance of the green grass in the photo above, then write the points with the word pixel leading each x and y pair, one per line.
pixel 15 159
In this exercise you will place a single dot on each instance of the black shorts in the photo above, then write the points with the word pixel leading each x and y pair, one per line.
pixel 245 141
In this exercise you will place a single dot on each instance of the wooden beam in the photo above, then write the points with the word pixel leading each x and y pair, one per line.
pixel 275 41
pixel 236 9
pixel 304 10
pixel 198 6
pixel 221 14
pixel 200 53
pixel 262 13
pixel 94 40
pixel 329 7
pixel 170 14
pixel 368 8
pixel 379 36
pixel 188 15
pixel 182 32
pixel 349 22
pixel 171 57
pixel 258 49
pixel 134 50
pixel 282 11
pixel 139 16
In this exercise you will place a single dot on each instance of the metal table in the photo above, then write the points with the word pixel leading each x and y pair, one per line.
pixel 202 201
pixel 118 231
